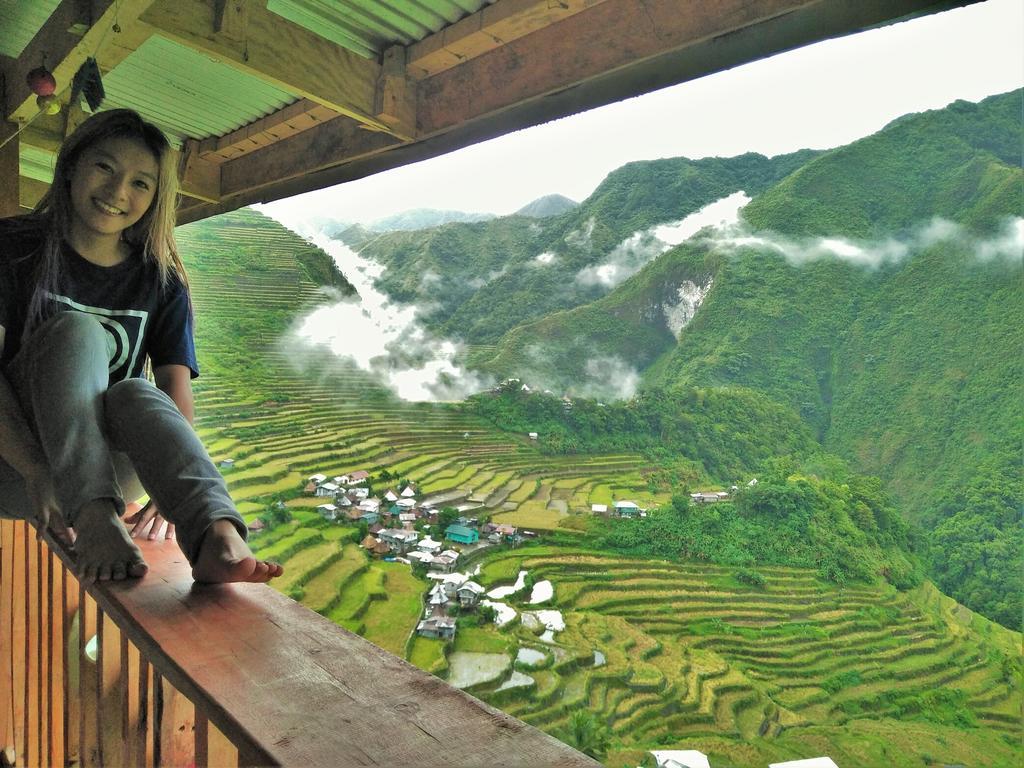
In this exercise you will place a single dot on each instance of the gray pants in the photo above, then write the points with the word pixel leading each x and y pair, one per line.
pixel 111 442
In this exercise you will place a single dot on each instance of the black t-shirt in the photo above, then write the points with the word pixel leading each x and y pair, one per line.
pixel 141 317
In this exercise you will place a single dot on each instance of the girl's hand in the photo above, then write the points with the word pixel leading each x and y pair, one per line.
pixel 149 518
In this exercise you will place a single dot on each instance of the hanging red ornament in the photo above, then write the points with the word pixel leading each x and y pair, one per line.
pixel 41 81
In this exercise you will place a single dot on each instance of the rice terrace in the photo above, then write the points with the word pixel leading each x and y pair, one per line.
pixel 747 664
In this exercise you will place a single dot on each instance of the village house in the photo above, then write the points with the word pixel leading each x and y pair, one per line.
pixel 256 526
pixel 391 496
pixel 416 555
pixel 599 509
pixel 451 582
pixel 342 500
pixel 533 435
pixel 442 627
pixel 429 546
pixel 408 492
pixel 227 463
pixel 359 493
pixel 405 503
pixel 357 478
pixel 400 540
pixel 375 528
pixel 626 509
pixel 370 518
pixel 370 505
pixel 444 562
pixel 437 597
pixel 327 489
pixel 469 594
pixel 309 488
pixel 328 512
pixel 407 519
pixel 709 497
pixel 508 534
pixel 317 478
pixel 460 534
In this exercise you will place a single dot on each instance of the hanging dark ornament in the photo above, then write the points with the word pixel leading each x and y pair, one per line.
pixel 87 82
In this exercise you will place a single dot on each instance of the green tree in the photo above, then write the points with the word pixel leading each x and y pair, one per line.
pixel 587 734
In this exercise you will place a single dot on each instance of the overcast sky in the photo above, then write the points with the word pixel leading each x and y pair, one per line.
pixel 820 96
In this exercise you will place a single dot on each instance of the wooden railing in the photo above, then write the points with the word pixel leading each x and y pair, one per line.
pixel 162 672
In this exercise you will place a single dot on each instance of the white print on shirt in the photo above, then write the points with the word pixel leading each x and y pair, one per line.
pixel 125 330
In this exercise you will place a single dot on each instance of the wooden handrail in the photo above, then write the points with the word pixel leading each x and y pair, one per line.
pixel 220 675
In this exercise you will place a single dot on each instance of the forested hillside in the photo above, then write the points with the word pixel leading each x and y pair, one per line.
pixel 874 289
pixel 486 278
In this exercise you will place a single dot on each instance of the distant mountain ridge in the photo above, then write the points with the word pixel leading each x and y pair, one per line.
pixel 423 218
pixel 547 206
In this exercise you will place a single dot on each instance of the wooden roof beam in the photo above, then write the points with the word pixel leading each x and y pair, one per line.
pixel 636 46
pixel 110 34
pixel 631 47
pixel 491 27
pixel 261 43
pixel 288 121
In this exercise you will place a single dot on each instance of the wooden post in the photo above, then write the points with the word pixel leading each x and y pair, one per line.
pixel 70 684
pixel 18 649
pixel 88 683
pixel 10 186
pixel 111 698
pixel 58 666
pixel 6 647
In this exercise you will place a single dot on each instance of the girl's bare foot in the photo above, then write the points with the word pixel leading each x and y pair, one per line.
pixel 104 551
pixel 225 557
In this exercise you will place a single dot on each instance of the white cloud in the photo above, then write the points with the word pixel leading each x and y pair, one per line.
pixel 1008 244
pixel 384 339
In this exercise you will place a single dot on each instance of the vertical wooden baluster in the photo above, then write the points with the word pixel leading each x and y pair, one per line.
pixel 19 628
pixel 157 690
pixel 32 681
pixel 7 691
pixel 200 747
pixel 129 699
pixel 88 683
pixel 143 754
pixel 221 753
pixel 111 702
pixel 31 657
pixel 72 665
pixel 176 738
pixel 45 628
pixel 57 653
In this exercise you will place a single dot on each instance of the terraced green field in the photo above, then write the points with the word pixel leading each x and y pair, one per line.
pixel 693 658
pixel 696 660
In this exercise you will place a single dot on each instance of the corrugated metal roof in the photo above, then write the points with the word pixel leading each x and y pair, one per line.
pixel 367 27
pixel 189 94
pixel 36 163
pixel 20 20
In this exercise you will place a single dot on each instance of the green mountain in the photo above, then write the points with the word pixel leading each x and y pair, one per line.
pixel 900 356
pixel 482 279
pixel 548 205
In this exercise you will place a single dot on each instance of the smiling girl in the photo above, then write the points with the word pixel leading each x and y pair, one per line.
pixel 91 286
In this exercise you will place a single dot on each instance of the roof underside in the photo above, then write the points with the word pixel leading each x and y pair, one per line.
pixel 269 98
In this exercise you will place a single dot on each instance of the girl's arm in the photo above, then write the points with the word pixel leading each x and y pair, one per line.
pixel 175 381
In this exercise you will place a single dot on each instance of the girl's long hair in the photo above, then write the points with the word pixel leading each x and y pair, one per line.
pixel 152 235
